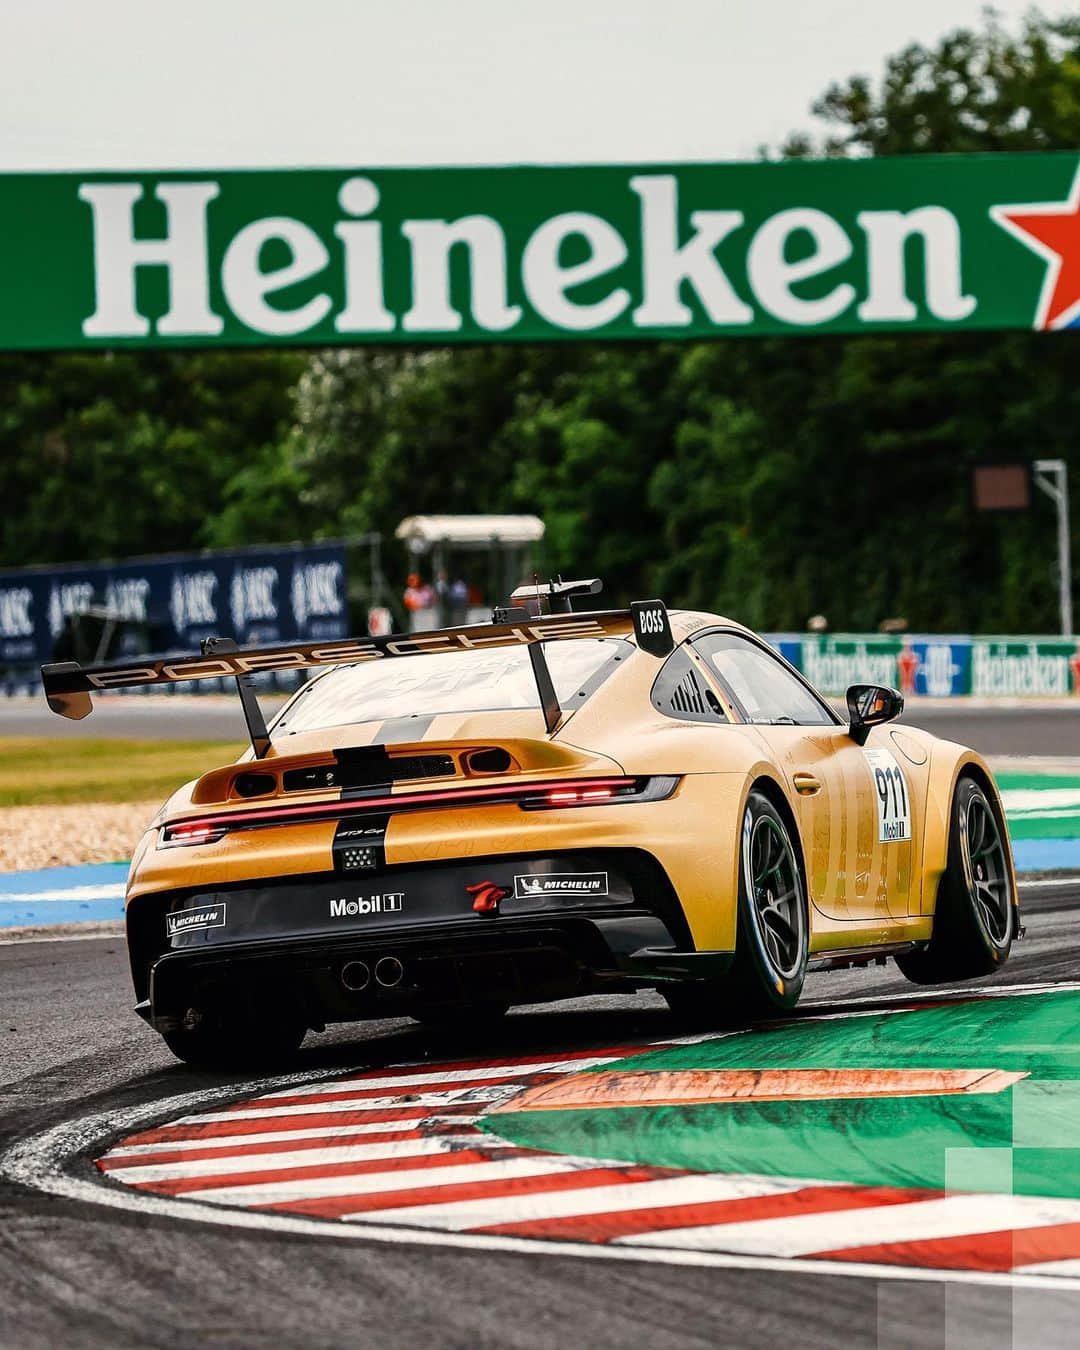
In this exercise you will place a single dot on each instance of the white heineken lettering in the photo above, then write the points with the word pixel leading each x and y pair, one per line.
pixel 687 264
pixel 247 285
pixel 547 280
pixel 667 265
pixel 431 242
pixel 182 252
pixel 887 233
pixel 997 671
pixel 772 275
pixel 365 309
pixel 832 671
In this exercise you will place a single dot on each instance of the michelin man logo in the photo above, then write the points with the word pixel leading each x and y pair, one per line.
pixel 317 590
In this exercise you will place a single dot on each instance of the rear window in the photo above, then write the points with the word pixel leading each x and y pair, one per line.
pixel 451 682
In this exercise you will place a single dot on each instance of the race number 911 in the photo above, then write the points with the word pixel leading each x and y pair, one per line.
pixel 893 802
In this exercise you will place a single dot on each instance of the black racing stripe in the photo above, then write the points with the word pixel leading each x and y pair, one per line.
pixel 402 730
pixel 360 845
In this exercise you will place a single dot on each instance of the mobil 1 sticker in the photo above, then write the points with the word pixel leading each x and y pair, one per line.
pixel 191 920
pixel 561 883
pixel 893 802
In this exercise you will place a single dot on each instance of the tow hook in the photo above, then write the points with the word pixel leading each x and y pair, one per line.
pixel 486 897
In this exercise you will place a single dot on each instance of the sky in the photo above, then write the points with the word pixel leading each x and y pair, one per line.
pixel 127 84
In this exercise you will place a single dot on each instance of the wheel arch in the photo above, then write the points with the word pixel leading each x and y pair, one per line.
pixel 946 773
pixel 770 788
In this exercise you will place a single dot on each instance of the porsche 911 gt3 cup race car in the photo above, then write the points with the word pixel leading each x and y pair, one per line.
pixel 447 823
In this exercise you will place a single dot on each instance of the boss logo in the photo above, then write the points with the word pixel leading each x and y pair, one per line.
pixel 391 903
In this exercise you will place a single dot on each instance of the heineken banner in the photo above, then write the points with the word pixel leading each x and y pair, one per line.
pixel 465 255
pixel 172 602
pixel 939 666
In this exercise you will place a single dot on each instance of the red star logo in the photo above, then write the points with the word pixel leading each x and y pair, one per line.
pixel 1052 230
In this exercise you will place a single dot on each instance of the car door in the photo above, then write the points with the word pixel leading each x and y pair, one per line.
pixel 859 852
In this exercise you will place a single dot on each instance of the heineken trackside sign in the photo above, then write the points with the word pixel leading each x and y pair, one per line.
pixel 466 255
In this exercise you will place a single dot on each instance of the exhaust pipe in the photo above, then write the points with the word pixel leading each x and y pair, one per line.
pixel 389 971
pixel 355 975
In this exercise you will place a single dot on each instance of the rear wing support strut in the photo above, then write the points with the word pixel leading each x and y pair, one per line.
pixel 245 687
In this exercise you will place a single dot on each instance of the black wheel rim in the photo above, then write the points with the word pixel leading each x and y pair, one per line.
pixel 774 890
pixel 986 868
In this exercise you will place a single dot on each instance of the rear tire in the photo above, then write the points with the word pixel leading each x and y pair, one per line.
pixel 772 942
pixel 975 918
pixel 237 1044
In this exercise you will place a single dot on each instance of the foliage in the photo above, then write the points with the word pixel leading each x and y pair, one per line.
pixel 768 479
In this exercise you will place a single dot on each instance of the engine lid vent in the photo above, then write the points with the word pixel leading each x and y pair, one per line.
pixel 368 767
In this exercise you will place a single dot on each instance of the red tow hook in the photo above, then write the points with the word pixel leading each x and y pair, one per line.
pixel 486 897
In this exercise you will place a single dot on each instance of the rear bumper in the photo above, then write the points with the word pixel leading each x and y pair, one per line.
pixel 569 924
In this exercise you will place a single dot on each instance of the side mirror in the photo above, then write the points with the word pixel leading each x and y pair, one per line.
pixel 869 705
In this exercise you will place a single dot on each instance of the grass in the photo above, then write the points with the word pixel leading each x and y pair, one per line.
pixel 39 770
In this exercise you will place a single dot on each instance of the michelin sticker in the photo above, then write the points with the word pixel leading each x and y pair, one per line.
pixel 561 883
pixel 893 802
pixel 189 920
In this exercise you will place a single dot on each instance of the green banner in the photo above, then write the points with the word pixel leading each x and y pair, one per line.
pixel 466 255
pixel 831 664
pixel 1021 667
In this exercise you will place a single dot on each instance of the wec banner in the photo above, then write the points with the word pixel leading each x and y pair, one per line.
pixel 445 255
pixel 173 602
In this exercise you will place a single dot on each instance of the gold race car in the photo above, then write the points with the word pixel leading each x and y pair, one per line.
pixel 443 824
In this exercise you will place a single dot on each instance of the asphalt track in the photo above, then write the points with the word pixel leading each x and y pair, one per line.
pixel 75 1274
pixel 1011 728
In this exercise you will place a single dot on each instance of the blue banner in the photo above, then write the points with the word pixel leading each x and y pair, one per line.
pixel 172 602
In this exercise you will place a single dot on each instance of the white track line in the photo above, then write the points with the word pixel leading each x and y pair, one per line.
pixel 803 1234
pixel 621 1198
pixel 372 1183
pixel 463 1094
pixel 222 1141
pixel 407 1080
pixel 1069 1267
pixel 285 1160
pixel 40 1162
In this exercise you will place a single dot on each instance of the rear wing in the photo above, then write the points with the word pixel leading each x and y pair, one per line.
pixel 68 686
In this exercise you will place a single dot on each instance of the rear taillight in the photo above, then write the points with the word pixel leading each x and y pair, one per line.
pixel 196 833
pixel 610 793
pixel 550 796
